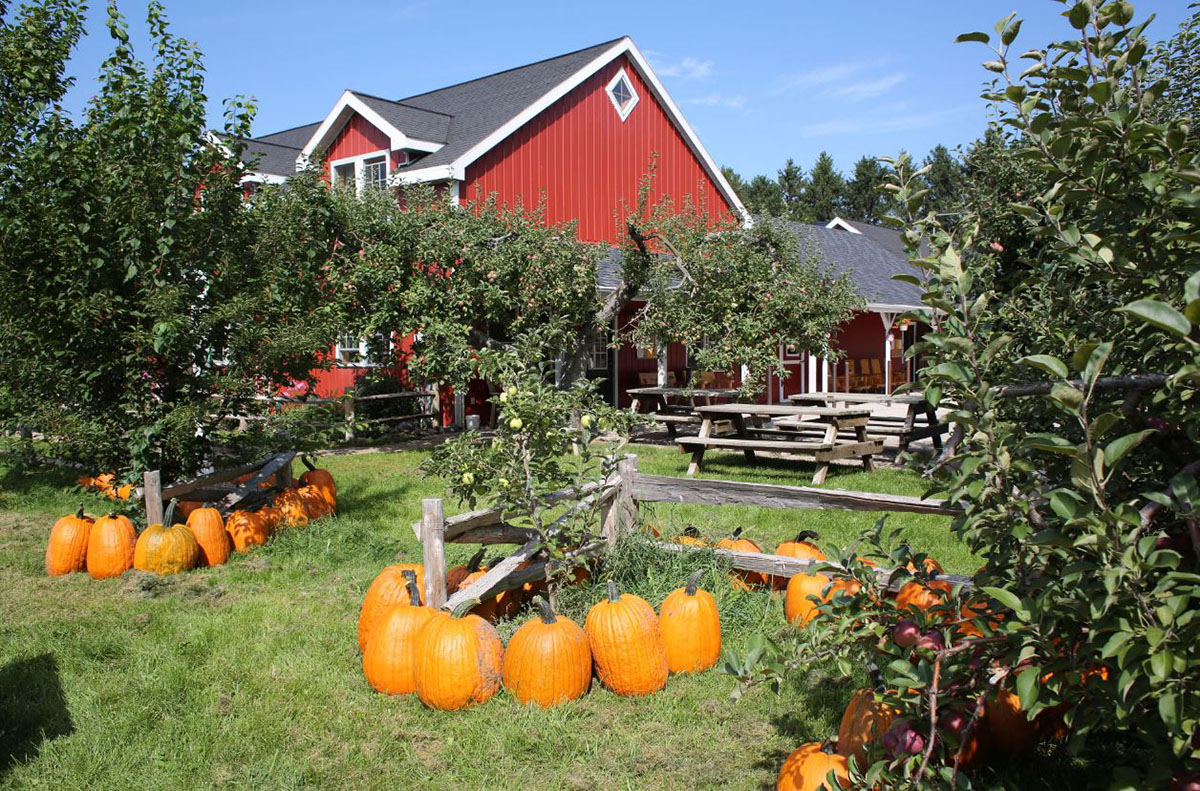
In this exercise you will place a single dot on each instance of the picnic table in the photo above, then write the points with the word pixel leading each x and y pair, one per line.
pixel 789 433
pixel 920 420
pixel 672 415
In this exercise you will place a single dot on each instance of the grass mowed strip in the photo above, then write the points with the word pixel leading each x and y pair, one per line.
pixel 248 675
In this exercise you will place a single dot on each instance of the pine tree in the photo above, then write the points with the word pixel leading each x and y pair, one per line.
pixel 791 186
pixel 946 182
pixel 763 196
pixel 824 193
pixel 863 201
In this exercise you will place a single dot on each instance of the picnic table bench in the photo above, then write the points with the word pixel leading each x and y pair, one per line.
pixel 673 415
pixel 788 434
pixel 919 422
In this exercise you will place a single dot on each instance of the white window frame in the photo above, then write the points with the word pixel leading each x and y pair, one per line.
pixel 359 163
pixel 601 343
pixel 364 360
pixel 622 112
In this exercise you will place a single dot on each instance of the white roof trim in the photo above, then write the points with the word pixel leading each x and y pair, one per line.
pixel 263 178
pixel 623 47
pixel 837 223
pixel 422 175
pixel 887 307
pixel 347 105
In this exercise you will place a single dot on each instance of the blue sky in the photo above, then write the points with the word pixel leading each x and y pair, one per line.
pixel 759 81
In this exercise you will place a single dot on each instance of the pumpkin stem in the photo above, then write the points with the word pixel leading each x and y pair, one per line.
pixel 170 512
pixel 613 596
pixel 548 616
pixel 737 534
pixel 691 532
pixel 806 534
pixel 473 563
pixel 79 513
pixel 410 579
pixel 464 608
pixel 307 463
pixel 692 582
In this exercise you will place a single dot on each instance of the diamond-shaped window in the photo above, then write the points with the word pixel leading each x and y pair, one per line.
pixel 624 97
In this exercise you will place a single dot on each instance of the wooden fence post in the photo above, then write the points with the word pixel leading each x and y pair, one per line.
pixel 348 406
pixel 620 515
pixel 433 535
pixel 152 497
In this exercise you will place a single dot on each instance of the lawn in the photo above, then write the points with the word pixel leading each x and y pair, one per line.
pixel 248 675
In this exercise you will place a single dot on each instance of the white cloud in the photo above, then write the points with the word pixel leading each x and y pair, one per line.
pixel 820 77
pixel 718 100
pixel 878 124
pixel 868 89
pixel 688 68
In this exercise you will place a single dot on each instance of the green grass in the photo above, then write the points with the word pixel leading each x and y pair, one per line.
pixel 248 675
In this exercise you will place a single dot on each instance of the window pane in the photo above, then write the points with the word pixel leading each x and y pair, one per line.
pixel 375 172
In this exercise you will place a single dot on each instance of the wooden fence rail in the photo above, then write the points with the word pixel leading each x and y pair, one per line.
pixel 217 486
pixel 617 499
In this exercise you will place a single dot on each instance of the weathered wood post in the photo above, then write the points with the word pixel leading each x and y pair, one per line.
pixel 152 497
pixel 433 536
pixel 620 515
pixel 348 406
pixel 283 478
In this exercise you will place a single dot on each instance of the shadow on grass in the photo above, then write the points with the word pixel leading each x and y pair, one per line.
pixel 33 709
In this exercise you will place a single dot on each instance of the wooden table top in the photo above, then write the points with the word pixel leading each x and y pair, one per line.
pixel 685 392
pixel 858 398
pixel 781 410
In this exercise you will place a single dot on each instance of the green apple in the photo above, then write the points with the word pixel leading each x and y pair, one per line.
pixel 516 423
pixel 512 391
pixel 503 396
pixel 586 421
pixel 468 478
pixel 503 482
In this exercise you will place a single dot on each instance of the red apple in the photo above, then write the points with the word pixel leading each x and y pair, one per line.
pixel 931 641
pixel 906 633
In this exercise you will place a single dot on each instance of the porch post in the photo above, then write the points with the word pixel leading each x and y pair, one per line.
pixel 888 319
pixel 616 353
pixel 810 365
pixel 660 355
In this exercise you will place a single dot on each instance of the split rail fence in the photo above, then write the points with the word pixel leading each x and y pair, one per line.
pixel 618 498
pixel 220 487
pixel 427 409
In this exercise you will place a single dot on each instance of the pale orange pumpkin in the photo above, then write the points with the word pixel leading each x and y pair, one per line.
pixel 214 542
pixel 66 551
pixel 459 660
pixel 110 546
pixel 691 628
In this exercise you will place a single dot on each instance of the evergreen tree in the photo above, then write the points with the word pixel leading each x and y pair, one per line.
pixel 946 182
pixel 824 192
pixel 791 186
pixel 735 181
pixel 763 196
pixel 863 201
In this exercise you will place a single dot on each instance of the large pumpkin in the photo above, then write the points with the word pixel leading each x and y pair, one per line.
pixel 799 608
pixel 322 480
pixel 315 504
pixel 208 528
pixel 271 516
pixel 166 547
pixel 492 608
pixel 799 547
pixel 743 579
pixel 389 587
pixel 864 722
pixel 292 512
pixel 66 552
pixel 247 529
pixel 1009 731
pixel 923 595
pixel 389 659
pixel 691 628
pixel 627 647
pixel 807 768
pixel 459 661
pixel 548 660
pixel 110 546
pixel 456 575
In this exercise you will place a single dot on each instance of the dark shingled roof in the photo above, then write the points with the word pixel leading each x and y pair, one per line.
pixel 271 158
pixel 869 263
pixel 460 115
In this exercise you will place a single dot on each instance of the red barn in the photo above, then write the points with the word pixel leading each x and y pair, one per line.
pixel 575 133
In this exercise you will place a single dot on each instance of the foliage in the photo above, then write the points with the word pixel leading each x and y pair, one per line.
pixel 1178 65
pixel 943 179
pixel 1083 508
pixel 138 295
pixel 791 184
pixel 864 199
pixel 823 193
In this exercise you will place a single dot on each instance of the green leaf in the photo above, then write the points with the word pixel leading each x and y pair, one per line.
pixel 1067 395
pixel 1027 686
pixel 1170 708
pixel 1078 16
pixel 1116 450
pixel 1046 362
pixel 1010 600
pixel 982 38
pixel 1010 33
pixel 1160 314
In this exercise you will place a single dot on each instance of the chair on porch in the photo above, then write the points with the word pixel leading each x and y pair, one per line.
pixel 876 373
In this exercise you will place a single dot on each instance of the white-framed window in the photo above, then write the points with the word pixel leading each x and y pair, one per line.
pixel 622 94
pixel 352 350
pixel 598 355
pixel 360 172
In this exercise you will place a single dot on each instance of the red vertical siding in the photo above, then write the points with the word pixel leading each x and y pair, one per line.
pixel 585 162
pixel 358 137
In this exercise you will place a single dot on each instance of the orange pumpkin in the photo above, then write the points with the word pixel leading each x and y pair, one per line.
pixel 456 575
pixel 627 646
pixel 166 547
pixel 208 528
pixel 864 722
pixel 315 504
pixel 247 530
pixel 548 660
pixel 389 587
pixel 691 537
pixel 492 608
pixel 691 628
pixel 187 507
pixel 389 659
pixel 799 608
pixel 1008 730
pixel 459 661
pixel 66 552
pixel 110 546
pixel 271 516
pixel 292 512
pixel 800 548
pixel 807 768
pixel 322 480
pixel 923 595
pixel 930 566
pixel 743 579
